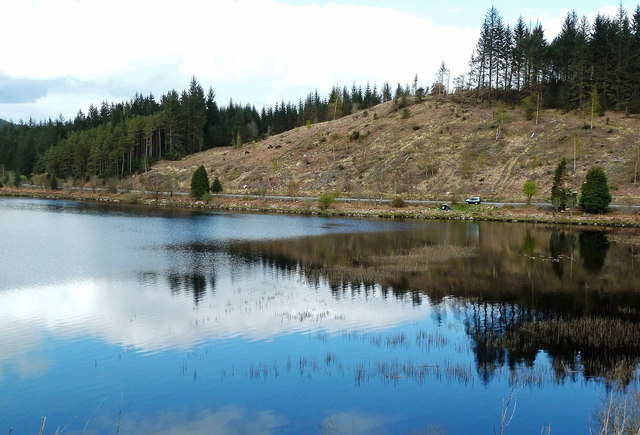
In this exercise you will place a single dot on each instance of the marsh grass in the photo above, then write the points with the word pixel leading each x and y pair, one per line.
pixel 619 414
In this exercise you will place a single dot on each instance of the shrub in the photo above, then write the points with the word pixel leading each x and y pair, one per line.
pixel 416 127
pixel 354 135
pixel 199 182
pixel 529 107
pixel 398 202
pixel 53 182
pixel 308 123
pixel 406 113
pixel 292 188
pixel 594 193
pixel 1 185
pixel 131 198
pixel 206 197
pixel 112 185
pixel 325 200
pixel 216 185
pixel 529 189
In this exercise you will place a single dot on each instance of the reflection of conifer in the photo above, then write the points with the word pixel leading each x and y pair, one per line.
pixel 593 250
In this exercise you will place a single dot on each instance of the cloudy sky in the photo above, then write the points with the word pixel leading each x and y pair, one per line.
pixel 59 56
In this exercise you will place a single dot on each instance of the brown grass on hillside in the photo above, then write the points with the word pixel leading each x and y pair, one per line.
pixel 443 151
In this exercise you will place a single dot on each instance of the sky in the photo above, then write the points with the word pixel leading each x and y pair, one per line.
pixel 60 56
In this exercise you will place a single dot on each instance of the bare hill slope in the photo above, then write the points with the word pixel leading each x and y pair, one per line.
pixel 439 150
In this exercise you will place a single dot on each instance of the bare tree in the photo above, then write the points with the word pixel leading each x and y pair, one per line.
pixel 155 183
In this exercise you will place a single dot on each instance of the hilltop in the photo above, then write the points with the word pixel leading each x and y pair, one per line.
pixel 441 149
pixel 3 122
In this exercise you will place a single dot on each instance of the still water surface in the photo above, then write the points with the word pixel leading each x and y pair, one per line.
pixel 160 321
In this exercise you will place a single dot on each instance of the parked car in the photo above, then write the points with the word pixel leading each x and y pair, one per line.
pixel 474 200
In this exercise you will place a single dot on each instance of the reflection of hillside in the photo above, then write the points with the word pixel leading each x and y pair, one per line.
pixel 566 292
pixel 562 271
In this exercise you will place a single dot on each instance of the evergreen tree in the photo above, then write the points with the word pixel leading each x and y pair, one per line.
pixel 199 182
pixel 594 194
pixel 386 92
pixel 559 192
pixel 216 185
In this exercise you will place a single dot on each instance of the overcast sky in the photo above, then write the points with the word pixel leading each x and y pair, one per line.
pixel 59 56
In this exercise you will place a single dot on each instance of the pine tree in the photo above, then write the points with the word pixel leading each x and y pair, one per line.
pixel 216 185
pixel 559 192
pixel 199 182
pixel 594 194
pixel 386 92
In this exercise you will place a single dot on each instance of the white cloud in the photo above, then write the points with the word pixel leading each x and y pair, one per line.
pixel 246 42
pixel 152 319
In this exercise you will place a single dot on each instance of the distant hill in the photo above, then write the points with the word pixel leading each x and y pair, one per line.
pixel 437 149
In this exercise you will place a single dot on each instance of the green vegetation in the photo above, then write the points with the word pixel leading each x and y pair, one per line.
pixel 325 200
pixel 594 194
pixel 199 182
pixel 121 139
pixel 529 189
pixel 589 66
pixel 512 65
pixel 53 182
pixel 559 192
pixel 529 107
pixel 216 185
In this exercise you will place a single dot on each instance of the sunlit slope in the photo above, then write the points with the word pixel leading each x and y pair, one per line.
pixel 435 149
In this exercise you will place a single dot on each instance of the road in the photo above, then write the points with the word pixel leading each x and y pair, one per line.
pixel 629 208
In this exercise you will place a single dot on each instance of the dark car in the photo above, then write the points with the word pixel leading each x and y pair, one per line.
pixel 474 200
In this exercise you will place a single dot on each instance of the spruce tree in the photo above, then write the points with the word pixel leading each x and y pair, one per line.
pixel 559 192
pixel 594 194
pixel 199 182
pixel 216 185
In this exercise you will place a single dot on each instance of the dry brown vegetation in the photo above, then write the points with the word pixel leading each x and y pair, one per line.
pixel 445 150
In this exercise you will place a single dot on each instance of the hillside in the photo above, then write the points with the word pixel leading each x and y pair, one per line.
pixel 3 122
pixel 444 150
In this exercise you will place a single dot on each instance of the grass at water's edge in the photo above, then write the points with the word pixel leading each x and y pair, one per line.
pixel 343 209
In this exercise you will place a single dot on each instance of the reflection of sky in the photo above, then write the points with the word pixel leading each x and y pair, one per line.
pixel 48 242
pixel 96 304
pixel 253 303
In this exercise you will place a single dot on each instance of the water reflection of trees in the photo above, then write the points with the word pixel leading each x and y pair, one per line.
pixel 593 249
pixel 529 288
pixel 193 283
pixel 504 334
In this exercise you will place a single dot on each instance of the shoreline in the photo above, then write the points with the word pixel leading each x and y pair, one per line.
pixel 364 209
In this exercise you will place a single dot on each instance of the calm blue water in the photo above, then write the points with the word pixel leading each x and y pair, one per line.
pixel 155 321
